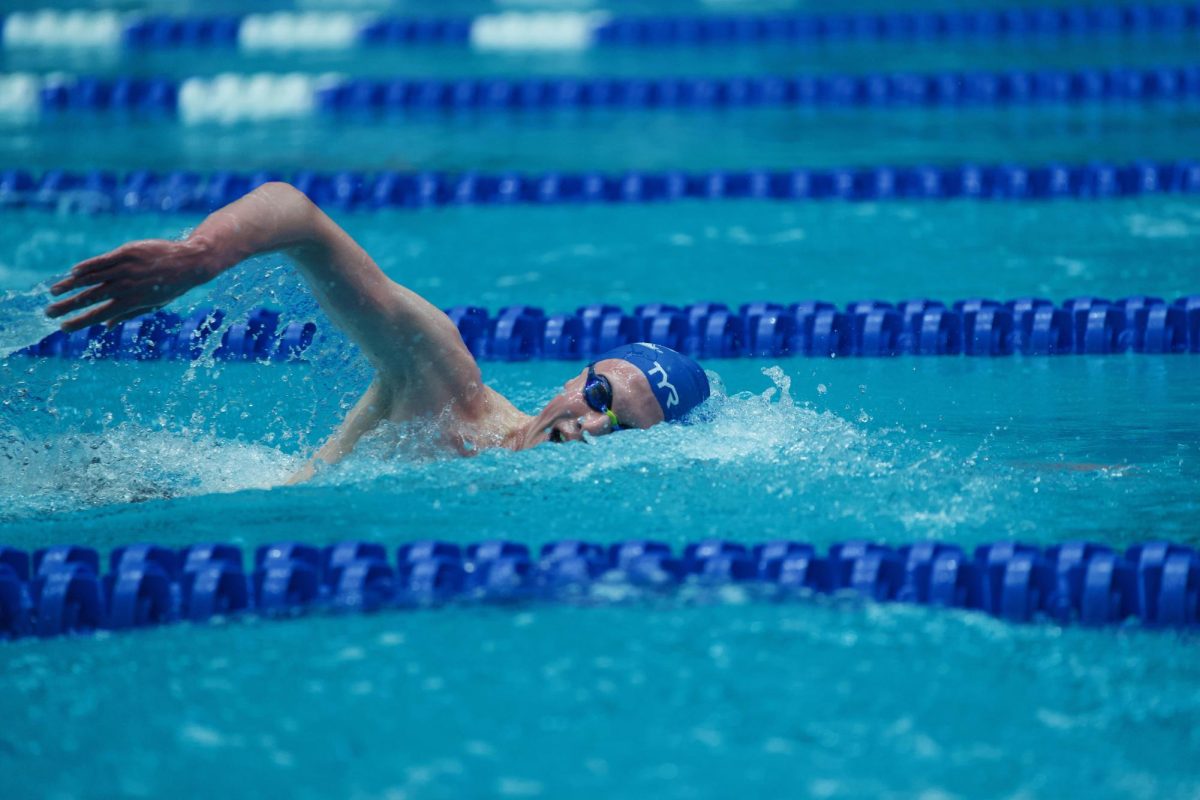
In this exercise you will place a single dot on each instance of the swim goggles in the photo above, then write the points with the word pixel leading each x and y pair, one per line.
pixel 598 394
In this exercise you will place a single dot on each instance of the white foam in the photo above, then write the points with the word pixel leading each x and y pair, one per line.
pixel 230 97
pixel 510 30
pixel 131 463
pixel 308 30
pixel 20 96
pixel 21 320
pixel 544 5
pixel 91 29
pixel 1162 226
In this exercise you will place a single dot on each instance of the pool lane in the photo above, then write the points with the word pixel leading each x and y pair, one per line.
pixel 610 140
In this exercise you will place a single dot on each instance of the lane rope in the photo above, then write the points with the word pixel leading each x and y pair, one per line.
pixel 574 30
pixel 103 191
pixel 61 589
pixel 982 327
pixel 232 98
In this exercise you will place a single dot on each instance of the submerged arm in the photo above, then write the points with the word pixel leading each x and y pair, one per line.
pixel 401 333
pixel 371 409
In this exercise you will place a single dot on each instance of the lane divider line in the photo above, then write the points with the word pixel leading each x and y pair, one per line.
pixel 62 590
pixel 235 97
pixel 576 30
pixel 103 191
pixel 981 327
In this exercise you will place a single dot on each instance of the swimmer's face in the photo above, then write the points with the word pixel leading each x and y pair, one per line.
pixel 568 417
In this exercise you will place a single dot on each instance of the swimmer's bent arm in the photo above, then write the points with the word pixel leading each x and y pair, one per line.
pixel 408 340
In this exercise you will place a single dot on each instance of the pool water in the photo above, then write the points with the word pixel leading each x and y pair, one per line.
pixel 615 141
pixel 692 696
pixel 682 698
pixel 701 701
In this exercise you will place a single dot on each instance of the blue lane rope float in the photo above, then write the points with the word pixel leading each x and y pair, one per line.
pixel 572 30
pixel 61 589
pixel 101 191
pixel 237 97
pixel 867 328
pixel 165 336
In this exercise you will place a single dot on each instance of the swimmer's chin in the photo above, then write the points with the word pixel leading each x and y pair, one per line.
pixel 525 440
pixel 547 436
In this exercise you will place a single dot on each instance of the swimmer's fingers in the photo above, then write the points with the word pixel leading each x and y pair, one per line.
pixel 73 282
pixel 90 272
pixel 99 268
pixel 103 261
pixel 87 297
pixel 95 316
pixel 99 271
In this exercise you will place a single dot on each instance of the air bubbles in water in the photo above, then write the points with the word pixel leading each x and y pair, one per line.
pixel 21 319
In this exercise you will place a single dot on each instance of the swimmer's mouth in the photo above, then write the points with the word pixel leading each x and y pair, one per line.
pixel 560 432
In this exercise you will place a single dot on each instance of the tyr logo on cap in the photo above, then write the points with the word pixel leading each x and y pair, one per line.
pixel 664 383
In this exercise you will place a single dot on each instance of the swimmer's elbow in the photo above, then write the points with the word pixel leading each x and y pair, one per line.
pixel 298 223
pixel 284 194
pixel 282 188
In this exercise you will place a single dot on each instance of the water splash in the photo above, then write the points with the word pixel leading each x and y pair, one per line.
pixel 77 434
pixel 176 430
pixel 130 464
pixel 22 322
pixel 758 458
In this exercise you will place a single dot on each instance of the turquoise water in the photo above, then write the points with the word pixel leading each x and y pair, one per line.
pixel 690 697
pixel 615 141
pixel 706 701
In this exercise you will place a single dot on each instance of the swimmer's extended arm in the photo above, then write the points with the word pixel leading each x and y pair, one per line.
pixel 401 333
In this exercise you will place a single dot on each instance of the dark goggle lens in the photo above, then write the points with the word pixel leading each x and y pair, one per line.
pixel 597 391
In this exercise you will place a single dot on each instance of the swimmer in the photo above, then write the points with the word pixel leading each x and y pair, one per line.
pixel 423 371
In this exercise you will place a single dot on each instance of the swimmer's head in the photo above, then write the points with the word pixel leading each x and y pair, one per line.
pixel 677 382
pixel 632 386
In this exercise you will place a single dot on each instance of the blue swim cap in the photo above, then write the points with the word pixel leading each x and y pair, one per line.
pixel 679 383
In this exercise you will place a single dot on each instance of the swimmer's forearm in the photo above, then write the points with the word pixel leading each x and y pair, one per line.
pixel 399 331
pixel 276 217
pixel 349 285
pixel 273 217
pixel 141 276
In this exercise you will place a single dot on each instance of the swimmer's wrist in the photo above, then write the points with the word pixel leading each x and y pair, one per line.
pixel 208 259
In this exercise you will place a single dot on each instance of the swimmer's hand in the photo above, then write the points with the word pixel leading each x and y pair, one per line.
pixel 132 280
